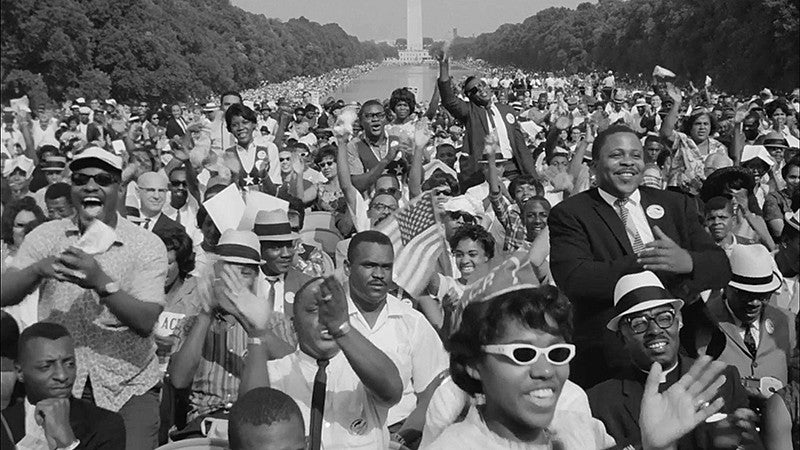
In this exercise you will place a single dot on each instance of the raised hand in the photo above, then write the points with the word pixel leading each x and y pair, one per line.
pixel 674 93
pixel 75 266
pixel 667 416
pixel 664 255
pixel 332 304
pixel 252 312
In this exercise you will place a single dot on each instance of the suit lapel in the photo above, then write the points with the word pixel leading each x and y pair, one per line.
pixel 729 327
pixel 612 220
pixel 632 393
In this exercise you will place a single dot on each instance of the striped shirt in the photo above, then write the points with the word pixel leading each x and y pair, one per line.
pixel 216 381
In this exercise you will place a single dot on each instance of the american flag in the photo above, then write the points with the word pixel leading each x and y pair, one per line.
pixel 418 241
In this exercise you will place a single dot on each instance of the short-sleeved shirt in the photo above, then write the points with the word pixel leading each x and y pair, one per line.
pixel 406 336
pixel 777 204
pixel 353 418
pixel 120 362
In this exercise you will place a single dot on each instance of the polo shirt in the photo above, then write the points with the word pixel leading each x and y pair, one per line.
pixel 121 363
pixel 406 336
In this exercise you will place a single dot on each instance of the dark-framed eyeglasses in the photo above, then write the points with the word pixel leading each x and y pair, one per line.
pixel 640 324
pixel 379 116
pixel 326 163
pixel 102 179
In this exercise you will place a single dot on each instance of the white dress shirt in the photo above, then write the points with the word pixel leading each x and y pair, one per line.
pixel 406 336
pixel 262 290
pixel 636 215
pixel 353 417
pixel 502 132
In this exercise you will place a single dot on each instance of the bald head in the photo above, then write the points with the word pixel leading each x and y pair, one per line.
pixel 153 180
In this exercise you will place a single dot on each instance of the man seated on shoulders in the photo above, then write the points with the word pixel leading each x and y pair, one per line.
pixel 50 417
pixel 648 319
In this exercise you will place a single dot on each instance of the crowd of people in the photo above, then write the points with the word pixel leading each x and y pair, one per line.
pixel 521 261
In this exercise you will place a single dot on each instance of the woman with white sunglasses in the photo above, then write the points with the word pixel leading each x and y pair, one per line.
pixel 513 353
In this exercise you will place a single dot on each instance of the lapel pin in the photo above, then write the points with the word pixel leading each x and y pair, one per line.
pixel 510 118
pixel 655 212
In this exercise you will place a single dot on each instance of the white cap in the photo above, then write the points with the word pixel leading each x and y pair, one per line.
pixel 94 155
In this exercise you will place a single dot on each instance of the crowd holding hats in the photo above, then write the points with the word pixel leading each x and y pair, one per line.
pixel 522 260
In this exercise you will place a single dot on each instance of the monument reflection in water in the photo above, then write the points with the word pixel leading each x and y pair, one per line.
pixel 382 81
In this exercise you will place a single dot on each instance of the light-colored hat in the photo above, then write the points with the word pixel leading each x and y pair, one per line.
pixel 640 102
pixel 639 292
pixel 111 102
pixel 239 247
pixel 210 107
pixel 273 226
pixel 54 164
pixel 619 97
pixel 757 151
pixel 85 110
pixel 461 203
pixel 23 163
pixel 753 269
pixel 80 100
pixel 93 156
pixel 793 219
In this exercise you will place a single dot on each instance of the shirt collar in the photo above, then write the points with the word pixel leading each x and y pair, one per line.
pixel 634 198
pixel 73 230
pixel 664 373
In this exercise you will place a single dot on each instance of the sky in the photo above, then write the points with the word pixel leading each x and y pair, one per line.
pixel 385 20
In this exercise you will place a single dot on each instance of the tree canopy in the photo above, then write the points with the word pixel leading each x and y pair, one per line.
pixel 160 50
pixel 743 45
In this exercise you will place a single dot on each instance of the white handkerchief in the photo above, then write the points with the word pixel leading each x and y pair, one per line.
pixel 97 238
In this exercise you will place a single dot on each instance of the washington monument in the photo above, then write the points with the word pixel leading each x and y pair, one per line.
pixel 414 25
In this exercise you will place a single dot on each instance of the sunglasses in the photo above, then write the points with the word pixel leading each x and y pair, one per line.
pixel 102 179
pixel 640 324
pixel 284 159
pixel 447 192
pixel 526 354
pixel 387 191
pixel 178 183
pixel 326 164
pixel 466 217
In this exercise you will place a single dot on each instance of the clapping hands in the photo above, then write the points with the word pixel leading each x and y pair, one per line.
pixel 238 300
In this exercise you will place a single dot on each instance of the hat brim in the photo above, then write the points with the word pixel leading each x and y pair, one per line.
pixel 280 237
pixel 53 169
pixel 240 260
pixel 613 324
pixel 92 161
pixel 772 286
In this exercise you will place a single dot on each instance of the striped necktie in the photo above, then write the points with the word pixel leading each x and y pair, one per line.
pixel 630 228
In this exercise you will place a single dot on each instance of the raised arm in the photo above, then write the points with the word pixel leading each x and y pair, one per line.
pixel 378 373
pixel 433 106
pixel 343 172
pixel 454 105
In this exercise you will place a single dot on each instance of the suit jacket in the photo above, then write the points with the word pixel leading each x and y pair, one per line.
pixel 476 122
pixel 294 280
pixel 775 344
pixel 617 403
pixel 164 223
pixel 174 128
pixel 95 132
pixel 590 249
pixel 97 428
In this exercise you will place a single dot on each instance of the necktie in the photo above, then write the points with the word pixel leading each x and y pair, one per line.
pixel 318 404
pixel 146 224
pixel 750 340
pixel 490 113
pixel 633 234
pixel 178 217
pixel 271 293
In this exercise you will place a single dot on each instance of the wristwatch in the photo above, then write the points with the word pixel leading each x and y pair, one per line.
pixel 110 288
pixel 342 330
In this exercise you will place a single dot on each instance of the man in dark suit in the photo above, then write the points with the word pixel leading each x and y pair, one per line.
pixel 481 117
pixel 648 319
pixel 152 190
pixel 618 228
pixel 176 126
pixel 50 414
pixel 96 130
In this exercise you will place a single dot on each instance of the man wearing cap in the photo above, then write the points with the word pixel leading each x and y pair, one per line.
pixel 760 337
pixel 648 318
pixel 210 359
pixel 481 117
pixel 277 281
pixel 600 234
pixel 106 285
pixel 84 115
pixel 53 168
